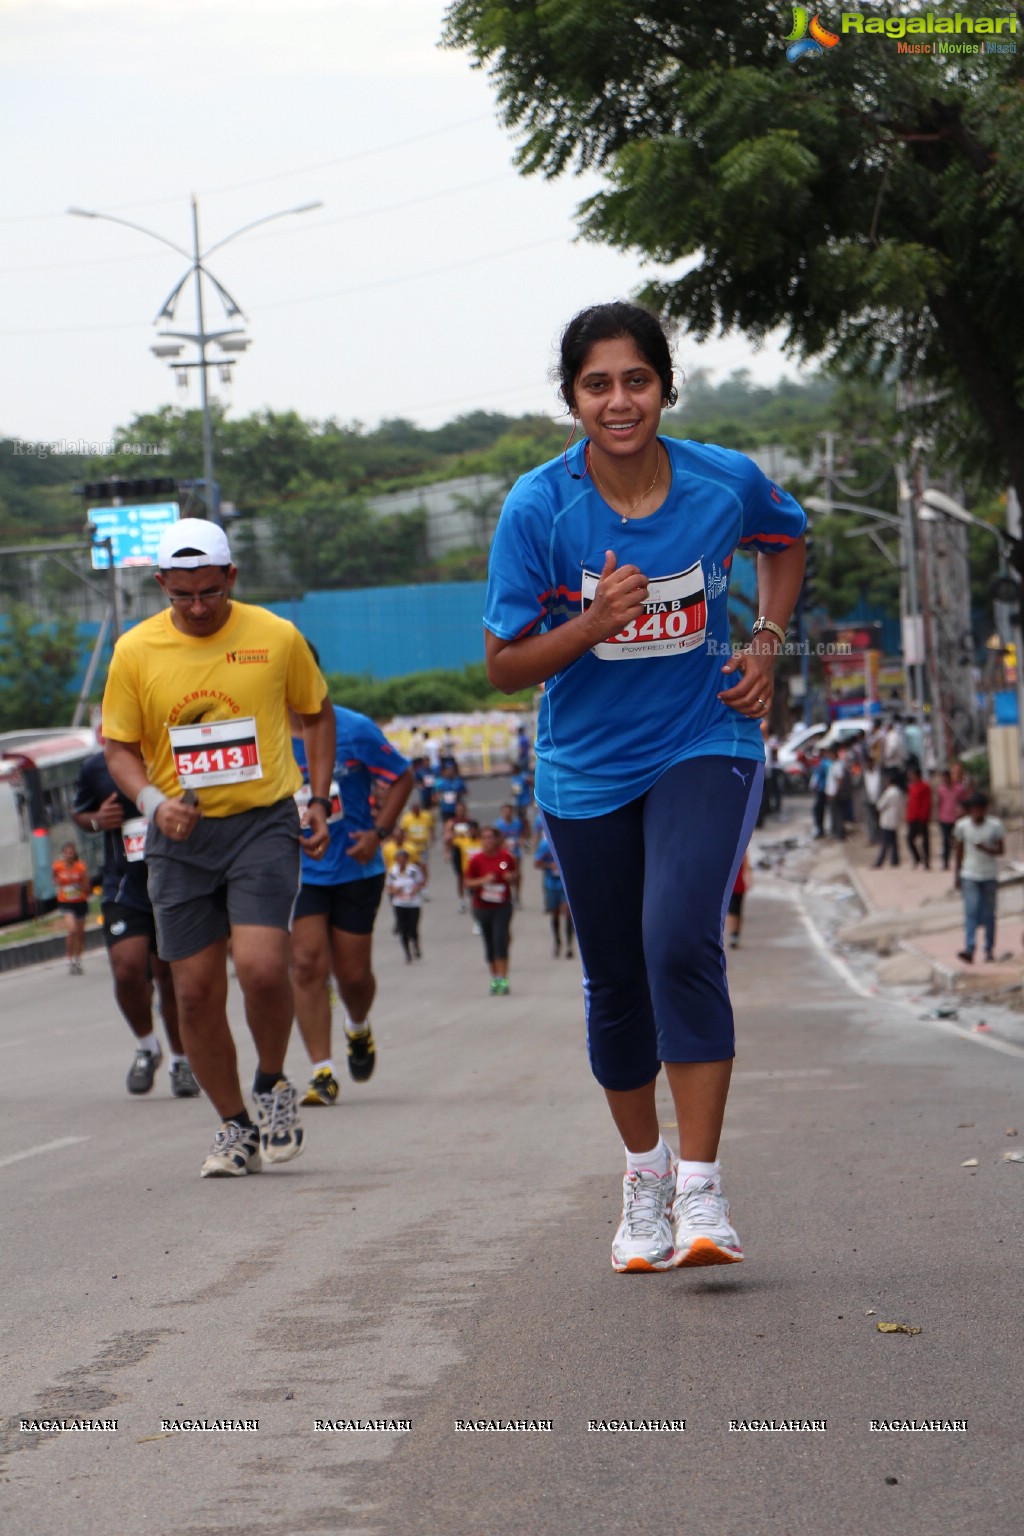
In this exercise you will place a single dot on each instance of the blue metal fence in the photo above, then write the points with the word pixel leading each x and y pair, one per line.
pixel 389 631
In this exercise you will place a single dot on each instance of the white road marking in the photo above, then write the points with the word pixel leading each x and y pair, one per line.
pixel 47 1146
pixel 946 1026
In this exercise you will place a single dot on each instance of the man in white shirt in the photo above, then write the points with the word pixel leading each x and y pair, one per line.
pixel 979 841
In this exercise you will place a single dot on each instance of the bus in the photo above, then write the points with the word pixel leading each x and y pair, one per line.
pixel 38 774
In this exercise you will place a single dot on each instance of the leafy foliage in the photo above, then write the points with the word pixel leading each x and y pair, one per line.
pixel 869 203
pixel 36 664
pixel 420 693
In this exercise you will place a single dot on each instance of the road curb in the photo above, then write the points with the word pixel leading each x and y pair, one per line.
pixel 34 951
pixel 944 977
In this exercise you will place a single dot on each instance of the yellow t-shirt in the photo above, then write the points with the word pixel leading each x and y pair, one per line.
pixel 467 843
pixel 388 849
pixel 162 680
pixel 417 828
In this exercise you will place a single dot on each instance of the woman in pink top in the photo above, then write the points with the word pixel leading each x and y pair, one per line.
pixel 949 798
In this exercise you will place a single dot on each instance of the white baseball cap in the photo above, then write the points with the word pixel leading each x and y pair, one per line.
pixel 192 542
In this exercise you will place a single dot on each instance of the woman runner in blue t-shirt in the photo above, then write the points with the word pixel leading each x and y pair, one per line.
pixel 608 583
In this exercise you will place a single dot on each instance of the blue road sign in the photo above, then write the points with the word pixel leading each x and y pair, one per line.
pixel 134 532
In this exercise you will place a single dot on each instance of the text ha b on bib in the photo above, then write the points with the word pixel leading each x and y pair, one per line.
pixel 218 752
pixel 674 619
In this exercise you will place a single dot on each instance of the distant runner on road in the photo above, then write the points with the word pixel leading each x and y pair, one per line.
pixel 129 928
pixel 195 717
pixel 332 930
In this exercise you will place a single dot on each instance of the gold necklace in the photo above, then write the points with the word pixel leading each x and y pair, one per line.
pixel 644 494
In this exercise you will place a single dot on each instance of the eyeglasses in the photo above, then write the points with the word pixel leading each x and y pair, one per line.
pixel 188 599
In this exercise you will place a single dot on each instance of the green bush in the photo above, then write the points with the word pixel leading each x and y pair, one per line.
pixel 454 690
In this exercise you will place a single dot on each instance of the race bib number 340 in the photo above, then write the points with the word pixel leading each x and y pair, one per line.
pixel 220 752
pixel 674 619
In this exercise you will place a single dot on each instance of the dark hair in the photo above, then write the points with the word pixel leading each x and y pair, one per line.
pixel 608 322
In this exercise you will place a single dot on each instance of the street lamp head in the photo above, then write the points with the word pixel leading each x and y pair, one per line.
pixel 943 503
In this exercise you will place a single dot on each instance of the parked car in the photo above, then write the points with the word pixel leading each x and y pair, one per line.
pixel 841 732
pixel 798 753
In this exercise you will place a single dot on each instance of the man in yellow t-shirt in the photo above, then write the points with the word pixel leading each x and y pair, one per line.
pixel 196 727
pixel 418 826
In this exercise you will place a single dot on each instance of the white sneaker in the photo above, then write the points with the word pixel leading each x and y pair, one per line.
pixel 235 1152
pixel 700 1224
pixel 644 1239
pixel 280 1132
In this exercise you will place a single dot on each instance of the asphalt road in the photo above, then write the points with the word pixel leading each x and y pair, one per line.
pixel 441 1253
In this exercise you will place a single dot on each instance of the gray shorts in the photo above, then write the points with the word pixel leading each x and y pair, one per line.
pixel 234 871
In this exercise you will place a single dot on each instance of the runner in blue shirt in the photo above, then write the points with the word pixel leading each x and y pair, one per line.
pixel 555 904
pixel 609 576
pixel 332 930
pixel 449 789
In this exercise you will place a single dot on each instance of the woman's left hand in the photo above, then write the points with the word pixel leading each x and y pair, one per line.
pixel 752 695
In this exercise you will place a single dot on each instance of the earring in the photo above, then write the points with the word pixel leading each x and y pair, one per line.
pixel 586 459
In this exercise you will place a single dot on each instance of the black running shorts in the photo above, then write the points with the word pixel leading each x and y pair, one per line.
pixel 350 907
pixel 121 922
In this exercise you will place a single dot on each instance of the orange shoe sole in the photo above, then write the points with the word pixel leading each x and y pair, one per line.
pixel 704 1251
pixel 640 1267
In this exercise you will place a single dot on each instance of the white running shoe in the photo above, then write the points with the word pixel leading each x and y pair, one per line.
pixel 644 1239
pixel 700 1224
pixel 280 1132
pixel 235 1152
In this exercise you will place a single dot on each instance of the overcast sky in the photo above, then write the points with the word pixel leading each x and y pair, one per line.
pixel 434 280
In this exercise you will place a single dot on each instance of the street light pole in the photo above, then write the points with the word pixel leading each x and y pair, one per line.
pixel 231 340
pixel 213 499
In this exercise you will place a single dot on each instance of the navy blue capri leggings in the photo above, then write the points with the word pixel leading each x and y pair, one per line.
pixel 647 887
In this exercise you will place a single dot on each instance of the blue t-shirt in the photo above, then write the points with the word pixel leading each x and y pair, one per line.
pixel 612 722
pixel 551 876
pixel 363 754
pixel 447 793
pixel 512 833
pixel 521 790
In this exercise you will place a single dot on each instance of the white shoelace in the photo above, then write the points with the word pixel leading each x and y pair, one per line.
pixel 279 1109
pixel 645 1204
pixel 703 1206
pixel 229 1133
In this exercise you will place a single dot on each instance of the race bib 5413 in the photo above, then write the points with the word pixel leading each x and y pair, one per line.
pixel 219 752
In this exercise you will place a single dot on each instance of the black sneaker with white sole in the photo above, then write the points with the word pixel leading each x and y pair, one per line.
pixel 183 1082
pixel 142 1071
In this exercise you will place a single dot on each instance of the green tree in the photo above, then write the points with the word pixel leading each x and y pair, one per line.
pixel 334 541
pixel 37 664
pixel 868 202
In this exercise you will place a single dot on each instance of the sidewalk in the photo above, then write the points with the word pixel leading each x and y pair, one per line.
pixel 915 917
